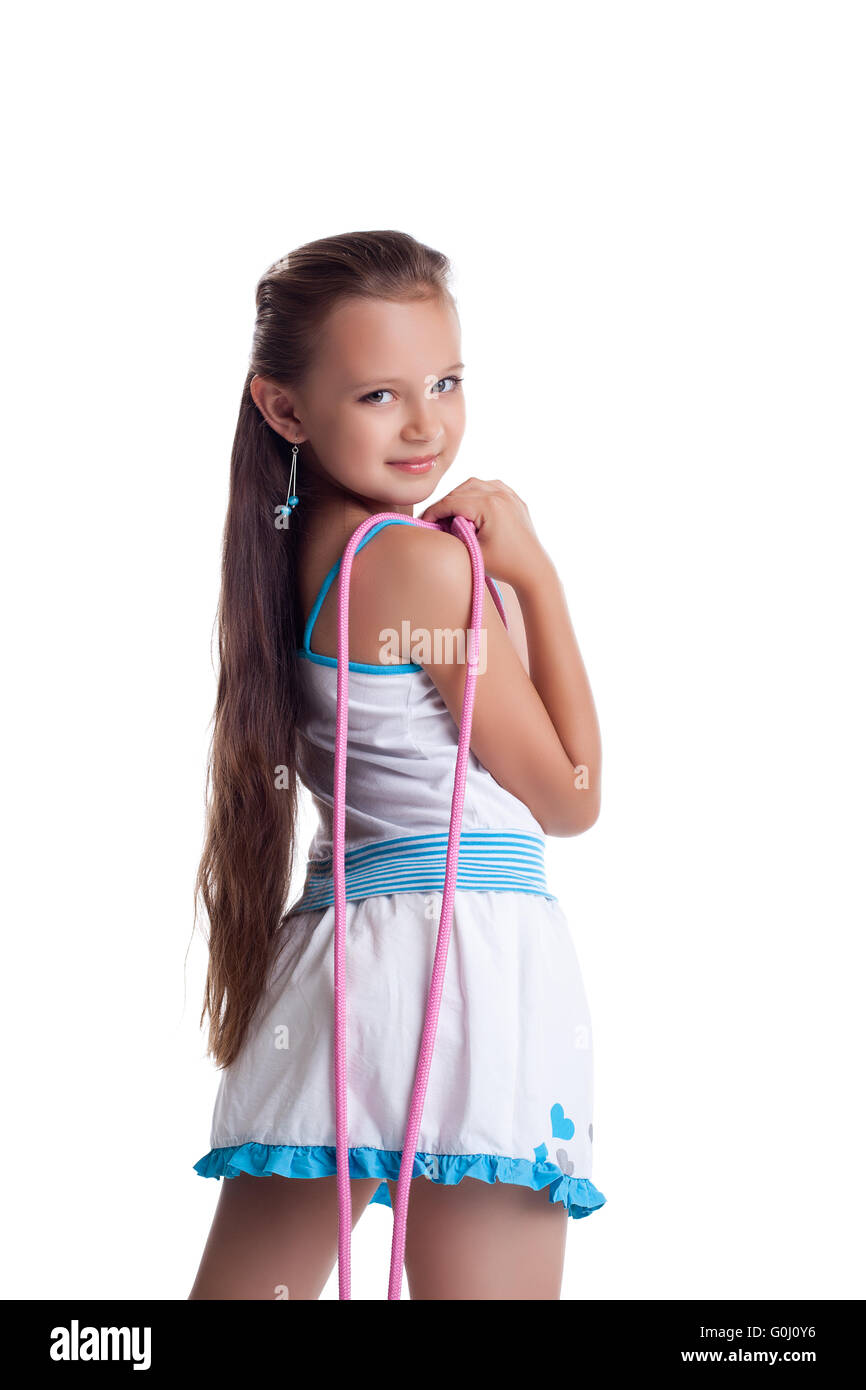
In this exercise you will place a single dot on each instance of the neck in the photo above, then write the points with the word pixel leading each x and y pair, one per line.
pixel 331 514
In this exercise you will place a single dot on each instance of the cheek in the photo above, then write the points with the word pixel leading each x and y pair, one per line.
pixel 455 420
pixel 364 428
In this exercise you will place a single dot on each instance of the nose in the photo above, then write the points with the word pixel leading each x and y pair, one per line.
pixel 423 424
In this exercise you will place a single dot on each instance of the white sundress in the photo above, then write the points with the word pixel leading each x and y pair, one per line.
pixel 510 1090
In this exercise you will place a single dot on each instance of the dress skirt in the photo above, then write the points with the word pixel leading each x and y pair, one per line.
pixel 510 1091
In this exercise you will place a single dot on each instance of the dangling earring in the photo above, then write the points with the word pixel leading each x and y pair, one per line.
pixel 291 501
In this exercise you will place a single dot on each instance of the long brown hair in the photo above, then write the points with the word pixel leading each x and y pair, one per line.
pixel 244 875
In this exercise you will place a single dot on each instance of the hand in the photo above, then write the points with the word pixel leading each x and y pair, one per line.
pixel 509 546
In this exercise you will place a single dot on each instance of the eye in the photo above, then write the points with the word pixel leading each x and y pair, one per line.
pixel 456 379
pixel 383 391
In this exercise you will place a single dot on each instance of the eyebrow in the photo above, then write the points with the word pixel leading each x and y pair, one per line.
pixel 383 381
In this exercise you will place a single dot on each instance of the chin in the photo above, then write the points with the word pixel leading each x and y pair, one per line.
pixel 411 487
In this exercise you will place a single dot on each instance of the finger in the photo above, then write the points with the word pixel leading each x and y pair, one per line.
pixel 446 506
pixel 464 500
pixel 448 510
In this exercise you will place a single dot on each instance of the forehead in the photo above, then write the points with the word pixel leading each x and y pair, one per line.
pixel 364 338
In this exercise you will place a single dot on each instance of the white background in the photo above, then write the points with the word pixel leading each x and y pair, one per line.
pixel 655 215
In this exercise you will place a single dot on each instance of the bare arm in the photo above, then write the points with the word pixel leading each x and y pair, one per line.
pixel 557 671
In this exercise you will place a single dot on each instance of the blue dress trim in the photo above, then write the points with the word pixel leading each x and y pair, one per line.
pixel 579 1196
pixel 498 860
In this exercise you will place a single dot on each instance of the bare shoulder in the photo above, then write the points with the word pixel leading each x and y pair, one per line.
pixel 408 573
pixel 416 564
pixel 429 573
pixel 413 551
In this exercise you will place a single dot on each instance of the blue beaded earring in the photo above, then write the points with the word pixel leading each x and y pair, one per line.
pixel 291 501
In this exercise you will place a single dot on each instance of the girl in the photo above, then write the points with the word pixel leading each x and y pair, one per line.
pixel 353 406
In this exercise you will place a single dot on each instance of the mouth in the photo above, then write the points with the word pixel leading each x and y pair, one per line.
pixel 416 465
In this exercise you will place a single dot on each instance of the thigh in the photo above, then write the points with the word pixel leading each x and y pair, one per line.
pixel 479 1240
pixel 274 1237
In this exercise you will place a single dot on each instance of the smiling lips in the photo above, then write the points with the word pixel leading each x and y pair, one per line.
pixel 417 465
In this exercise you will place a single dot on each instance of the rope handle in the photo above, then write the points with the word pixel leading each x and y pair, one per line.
pixel 465 529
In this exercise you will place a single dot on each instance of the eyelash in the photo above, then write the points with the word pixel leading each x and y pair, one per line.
pixel 458 380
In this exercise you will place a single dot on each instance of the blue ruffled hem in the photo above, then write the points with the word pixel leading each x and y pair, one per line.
pixel 579 1196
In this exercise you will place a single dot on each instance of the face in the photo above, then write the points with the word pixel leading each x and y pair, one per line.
pixel 384 388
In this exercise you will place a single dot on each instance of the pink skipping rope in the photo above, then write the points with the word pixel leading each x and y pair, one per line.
pixel 465 529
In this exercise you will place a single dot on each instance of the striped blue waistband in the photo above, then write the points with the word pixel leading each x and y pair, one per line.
pixel 489 860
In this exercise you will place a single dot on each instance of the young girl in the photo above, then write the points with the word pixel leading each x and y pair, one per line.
pixel 354 406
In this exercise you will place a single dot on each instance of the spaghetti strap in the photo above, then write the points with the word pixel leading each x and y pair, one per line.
pixel 332 574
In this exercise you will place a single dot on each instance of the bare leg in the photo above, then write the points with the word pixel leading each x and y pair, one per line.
pixel 481 1240
pixel 274 1234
